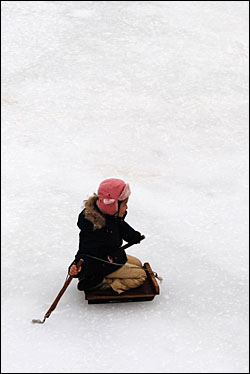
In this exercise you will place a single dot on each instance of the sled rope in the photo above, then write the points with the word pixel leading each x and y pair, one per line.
pixel 131 267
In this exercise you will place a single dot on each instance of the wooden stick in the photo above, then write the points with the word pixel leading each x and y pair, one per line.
pixel 55 302
pixel 66 284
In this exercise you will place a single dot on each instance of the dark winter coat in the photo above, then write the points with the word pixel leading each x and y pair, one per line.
pixel 101 236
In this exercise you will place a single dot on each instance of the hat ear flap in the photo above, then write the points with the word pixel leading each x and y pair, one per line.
pixel 125 192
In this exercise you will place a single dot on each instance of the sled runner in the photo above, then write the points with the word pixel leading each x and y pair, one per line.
pixel 146 292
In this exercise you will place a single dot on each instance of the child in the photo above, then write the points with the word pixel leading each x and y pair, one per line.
pixel 103 228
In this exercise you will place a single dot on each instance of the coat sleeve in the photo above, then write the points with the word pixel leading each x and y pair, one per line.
pixel 128 233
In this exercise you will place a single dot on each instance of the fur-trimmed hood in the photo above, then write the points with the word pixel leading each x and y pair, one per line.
pixel 93 214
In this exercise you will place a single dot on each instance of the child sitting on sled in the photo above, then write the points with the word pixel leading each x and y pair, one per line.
pixel 103 228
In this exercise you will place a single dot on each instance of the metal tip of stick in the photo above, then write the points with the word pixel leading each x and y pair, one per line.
pixel 38 321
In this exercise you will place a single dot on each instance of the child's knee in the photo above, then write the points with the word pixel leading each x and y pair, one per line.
pixel 134 261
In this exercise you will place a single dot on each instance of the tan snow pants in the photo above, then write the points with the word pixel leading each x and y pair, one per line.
pixel 130 275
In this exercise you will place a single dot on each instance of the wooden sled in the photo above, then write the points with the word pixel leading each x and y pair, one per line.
pixel 146 292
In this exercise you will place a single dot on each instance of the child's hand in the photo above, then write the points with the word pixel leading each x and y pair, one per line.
pixel 74 270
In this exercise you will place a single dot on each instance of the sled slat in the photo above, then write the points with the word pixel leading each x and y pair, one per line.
pixel 146 292
pixel 152 278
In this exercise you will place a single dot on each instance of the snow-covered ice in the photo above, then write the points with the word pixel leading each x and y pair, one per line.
pixel 156 93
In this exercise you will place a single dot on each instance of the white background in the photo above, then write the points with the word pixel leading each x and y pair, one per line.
pixel 155 93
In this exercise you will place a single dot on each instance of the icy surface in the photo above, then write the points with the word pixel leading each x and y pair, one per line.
pixel 156 93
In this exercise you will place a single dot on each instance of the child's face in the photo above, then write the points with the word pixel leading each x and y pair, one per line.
pixel 123 208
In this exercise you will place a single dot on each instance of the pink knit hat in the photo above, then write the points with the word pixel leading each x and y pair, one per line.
pixel 109 193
